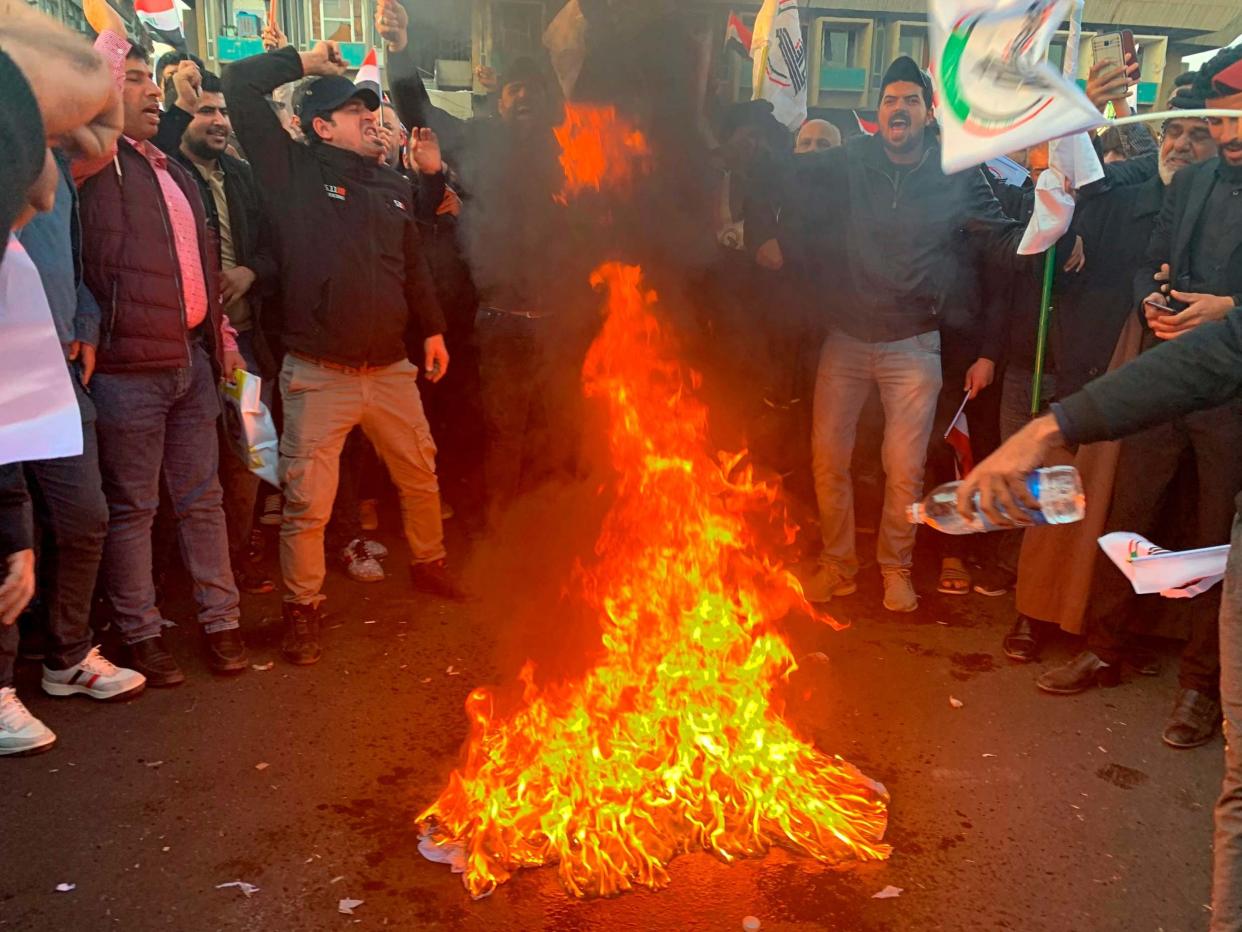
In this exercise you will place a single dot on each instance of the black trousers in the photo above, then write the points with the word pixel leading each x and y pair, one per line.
pixel 1148 465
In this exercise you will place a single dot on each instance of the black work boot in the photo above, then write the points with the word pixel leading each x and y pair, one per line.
pixel 434 578
pixel 1079 675
pixel 226 652
pixel 1194 720
pixel 301 642
pixel 152 659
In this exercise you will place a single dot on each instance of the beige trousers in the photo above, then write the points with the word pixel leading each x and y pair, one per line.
pixel 322 406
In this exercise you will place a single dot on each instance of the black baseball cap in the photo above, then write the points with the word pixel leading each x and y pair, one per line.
pixel 327 94
pixel 903 68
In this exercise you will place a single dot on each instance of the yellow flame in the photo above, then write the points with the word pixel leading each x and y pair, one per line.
pixel 670 743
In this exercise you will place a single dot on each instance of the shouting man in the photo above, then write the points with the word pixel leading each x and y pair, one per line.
pixel 355 287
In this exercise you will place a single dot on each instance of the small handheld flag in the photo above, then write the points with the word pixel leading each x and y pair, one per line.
pixel 958 438
pixel 738 36
pixel 162 21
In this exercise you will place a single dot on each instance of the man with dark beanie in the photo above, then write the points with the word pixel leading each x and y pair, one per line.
pixel 519 248
pixel 880 227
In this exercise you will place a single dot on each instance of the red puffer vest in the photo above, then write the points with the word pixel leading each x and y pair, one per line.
pixel 129 261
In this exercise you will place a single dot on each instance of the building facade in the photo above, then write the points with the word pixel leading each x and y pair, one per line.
pixel 849 43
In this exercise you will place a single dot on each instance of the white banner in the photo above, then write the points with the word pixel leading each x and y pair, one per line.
pixel 39 415
pixel 780 61
pixel 995 91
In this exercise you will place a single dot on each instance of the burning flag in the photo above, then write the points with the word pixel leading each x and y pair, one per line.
pixel 996 89
pixel 598 149
pixel 163 21
pixel 780 61
pixel 670 744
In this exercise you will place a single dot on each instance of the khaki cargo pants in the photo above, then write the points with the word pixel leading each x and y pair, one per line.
pixel 322 405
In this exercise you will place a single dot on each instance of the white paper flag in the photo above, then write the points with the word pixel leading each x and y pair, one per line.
pixel 39 415
pixel 1174 574
pixel 995 91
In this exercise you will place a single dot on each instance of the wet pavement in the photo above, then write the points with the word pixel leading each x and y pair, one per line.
pixel 1015 811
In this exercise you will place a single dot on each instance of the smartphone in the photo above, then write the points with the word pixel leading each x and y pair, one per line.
pixel 1107 47
pixel 1128 46
pixel 1162 308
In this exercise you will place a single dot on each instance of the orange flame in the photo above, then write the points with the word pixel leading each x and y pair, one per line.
pixel 598 149
pixel 671 743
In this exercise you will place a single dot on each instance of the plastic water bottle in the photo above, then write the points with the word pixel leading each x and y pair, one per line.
pixel 1058 489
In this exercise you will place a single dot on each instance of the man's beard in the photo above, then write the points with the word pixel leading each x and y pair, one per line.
pixel 1167 171
pixel 199 149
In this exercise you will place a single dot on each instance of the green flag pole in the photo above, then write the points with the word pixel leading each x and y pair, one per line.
pixel 1041 337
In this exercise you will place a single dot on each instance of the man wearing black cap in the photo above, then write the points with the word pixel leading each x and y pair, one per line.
pixel 881 225
pixel 1196 246
pixel 355 292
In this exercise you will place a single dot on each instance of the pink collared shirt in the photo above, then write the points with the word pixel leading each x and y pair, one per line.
pixel 113 48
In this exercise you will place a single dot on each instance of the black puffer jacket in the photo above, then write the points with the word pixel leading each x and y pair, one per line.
pixel 130 264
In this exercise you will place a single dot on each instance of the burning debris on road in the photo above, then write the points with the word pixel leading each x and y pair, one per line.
pixel 670 744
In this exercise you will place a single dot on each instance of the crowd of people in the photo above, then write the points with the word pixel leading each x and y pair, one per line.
pixel 411 293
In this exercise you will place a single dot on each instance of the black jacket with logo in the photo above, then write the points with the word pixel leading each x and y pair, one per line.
pixel 355 287
pixel 886 242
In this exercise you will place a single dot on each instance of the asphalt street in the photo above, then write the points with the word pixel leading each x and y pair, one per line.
pixel 1015 811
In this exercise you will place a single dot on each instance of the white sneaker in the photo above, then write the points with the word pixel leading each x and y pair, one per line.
pixel 899 594
pixel 96 676
pixel 826 583
pixel 21 732
pixel 374 548
pixel 360 563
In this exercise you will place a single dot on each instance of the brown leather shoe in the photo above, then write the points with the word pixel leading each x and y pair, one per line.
pixel 1194 720
pixel 435 579
pixel 1079 675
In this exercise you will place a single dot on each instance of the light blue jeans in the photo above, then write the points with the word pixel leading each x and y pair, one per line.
pixel 907 373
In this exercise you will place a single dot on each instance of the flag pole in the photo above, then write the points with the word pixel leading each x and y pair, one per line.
pixel 1041 335
pixel 1069 68
pixel 757 90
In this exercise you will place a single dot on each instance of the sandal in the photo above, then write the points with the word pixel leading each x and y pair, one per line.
pixel 954 579
pixel 1021 644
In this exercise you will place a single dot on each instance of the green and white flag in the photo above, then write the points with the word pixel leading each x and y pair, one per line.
pixel 996 92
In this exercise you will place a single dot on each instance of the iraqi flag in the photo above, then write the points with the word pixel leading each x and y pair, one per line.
pixel 866 127
pixel 958 439
pixel 163 21
pixel 995 89
pixel 369 74
pixel 779 59
pixel 738 37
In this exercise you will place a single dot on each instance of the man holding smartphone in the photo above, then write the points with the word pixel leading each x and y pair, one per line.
pixel 1196 250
